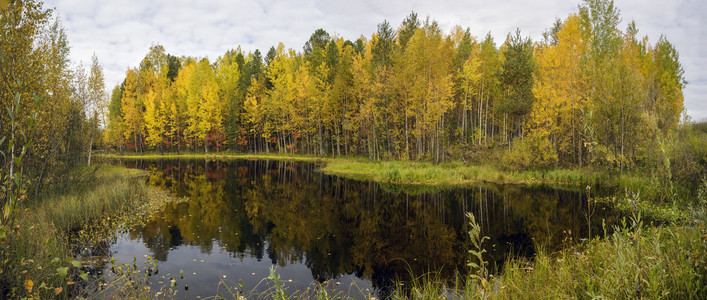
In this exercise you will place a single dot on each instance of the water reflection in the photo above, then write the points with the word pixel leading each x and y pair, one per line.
pixel 287 214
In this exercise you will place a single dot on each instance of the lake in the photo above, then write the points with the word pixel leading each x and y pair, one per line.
pixel 358 237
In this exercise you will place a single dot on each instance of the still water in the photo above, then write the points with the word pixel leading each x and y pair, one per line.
pixel 242 217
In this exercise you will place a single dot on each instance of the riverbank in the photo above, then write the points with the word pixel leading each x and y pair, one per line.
pixel 420 173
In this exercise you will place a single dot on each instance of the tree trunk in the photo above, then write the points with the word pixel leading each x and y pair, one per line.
pixel 142 145
pixel 407 144
pixel 338 141
pixel 90 146
pixel 321 140
pixel 481 108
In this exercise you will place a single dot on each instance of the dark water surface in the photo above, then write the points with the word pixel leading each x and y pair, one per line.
pixel 243 216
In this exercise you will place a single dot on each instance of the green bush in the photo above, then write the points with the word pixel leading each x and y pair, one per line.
pixel 688 156
pixel 530 153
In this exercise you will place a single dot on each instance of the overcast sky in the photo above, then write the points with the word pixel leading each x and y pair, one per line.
pixel 121 31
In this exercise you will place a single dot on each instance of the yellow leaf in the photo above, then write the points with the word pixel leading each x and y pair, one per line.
pixel 28 285
pixel 58 290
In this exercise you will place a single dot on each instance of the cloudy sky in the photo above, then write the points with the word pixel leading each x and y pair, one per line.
pixel 121 31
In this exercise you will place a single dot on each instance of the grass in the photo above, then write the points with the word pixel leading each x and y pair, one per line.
pixel 70 217
pixel 456 173
pixel 634 262
pixel 276 288
pixel 419 173
pixel 661 262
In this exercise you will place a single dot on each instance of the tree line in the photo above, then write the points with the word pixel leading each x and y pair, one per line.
pixel 586 92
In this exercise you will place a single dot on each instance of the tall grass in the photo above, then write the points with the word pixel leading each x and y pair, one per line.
pixel 456 173
pixel 664 262
pixel 633 262
pixel 42 247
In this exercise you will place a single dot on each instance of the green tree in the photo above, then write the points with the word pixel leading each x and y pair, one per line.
pixel 489 90
pixel 114 131
pixel 516 78
pixel 407 29
pixel 669 82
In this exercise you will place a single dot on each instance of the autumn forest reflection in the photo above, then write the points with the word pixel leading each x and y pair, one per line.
pixel 288 213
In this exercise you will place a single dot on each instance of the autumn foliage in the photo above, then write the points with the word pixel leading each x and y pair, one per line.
pixel 587 93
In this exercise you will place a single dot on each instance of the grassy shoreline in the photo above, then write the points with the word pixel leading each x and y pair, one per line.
pixel 418 173
pixel 78 214
pixel 633 262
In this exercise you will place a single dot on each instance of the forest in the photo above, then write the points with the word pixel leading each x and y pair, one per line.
pixel 587 93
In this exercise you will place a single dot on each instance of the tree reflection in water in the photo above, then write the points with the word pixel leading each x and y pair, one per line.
pixel 292 214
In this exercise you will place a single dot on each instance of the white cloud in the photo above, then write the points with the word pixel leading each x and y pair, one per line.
pixel 120 32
